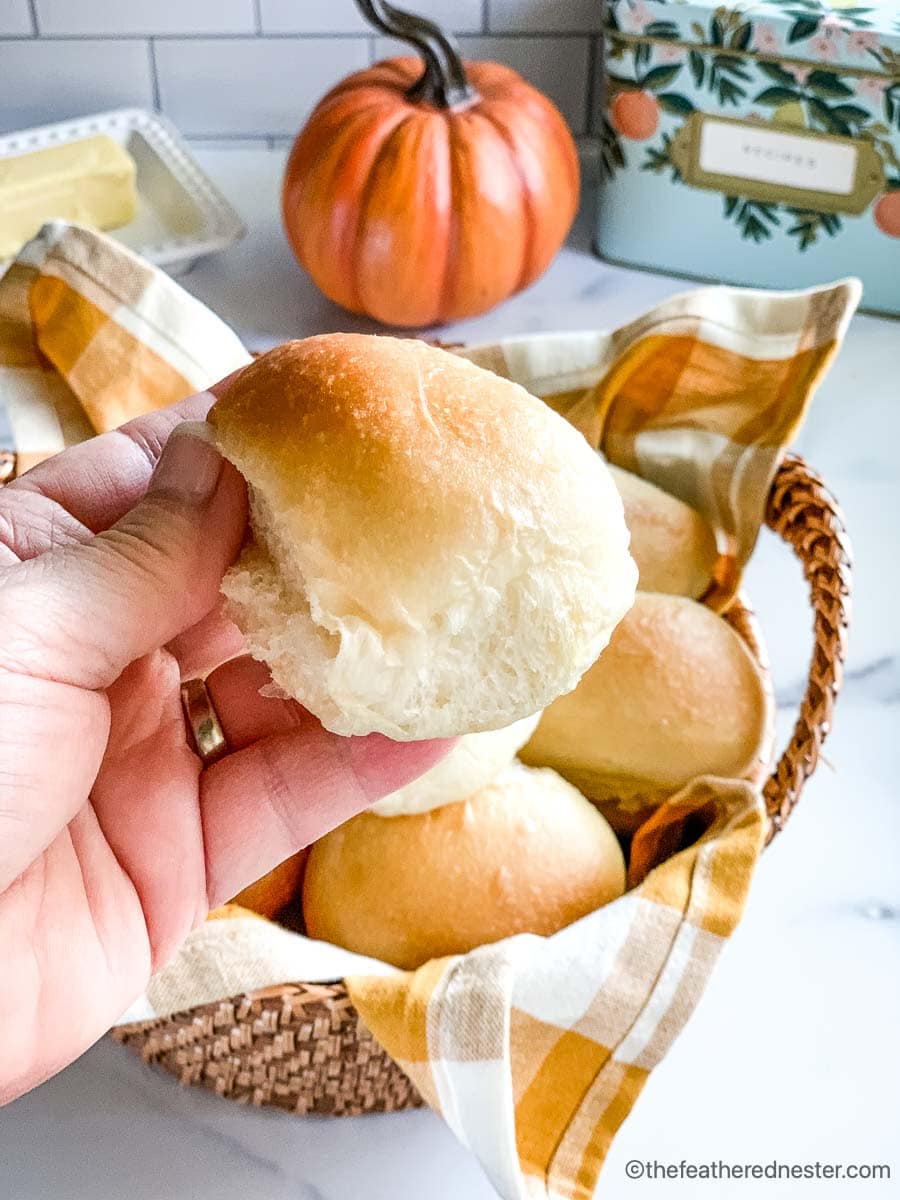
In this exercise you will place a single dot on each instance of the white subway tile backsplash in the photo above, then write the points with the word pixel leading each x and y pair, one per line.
pixel 557 66
pixel 313 16
pixel 42 81
pixel 212 86
pixel 15 18
pixel 342 16
pixel 543 16
pixel 90 17
pixel 254 68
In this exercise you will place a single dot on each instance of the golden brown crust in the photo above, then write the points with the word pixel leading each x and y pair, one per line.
pixel 525 854
pixel 673 545
pixel 675 694
pixel 407 425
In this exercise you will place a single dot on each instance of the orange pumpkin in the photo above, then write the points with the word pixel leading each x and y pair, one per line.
pixel 423 197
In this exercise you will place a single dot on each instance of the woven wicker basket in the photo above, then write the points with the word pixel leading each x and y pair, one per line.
pixel 303 1047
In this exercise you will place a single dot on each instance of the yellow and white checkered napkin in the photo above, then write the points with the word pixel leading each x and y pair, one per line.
pixel 700 395
pixel 91 336
pixel 533 1049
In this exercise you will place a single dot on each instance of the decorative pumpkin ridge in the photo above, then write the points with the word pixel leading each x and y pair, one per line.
pixel 419 196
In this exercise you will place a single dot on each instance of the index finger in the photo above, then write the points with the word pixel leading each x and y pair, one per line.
pixel 100 480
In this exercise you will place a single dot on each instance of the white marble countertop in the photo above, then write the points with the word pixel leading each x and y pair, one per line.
pixel 794 1052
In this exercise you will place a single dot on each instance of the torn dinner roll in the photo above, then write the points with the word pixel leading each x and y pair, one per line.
pixel 435 552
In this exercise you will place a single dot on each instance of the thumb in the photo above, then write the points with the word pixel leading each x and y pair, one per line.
pixel 81 614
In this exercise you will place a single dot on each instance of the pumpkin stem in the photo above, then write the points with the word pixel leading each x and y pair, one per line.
pixel 444 82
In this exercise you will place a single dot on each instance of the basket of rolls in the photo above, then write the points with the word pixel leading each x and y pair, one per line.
pixel 534 548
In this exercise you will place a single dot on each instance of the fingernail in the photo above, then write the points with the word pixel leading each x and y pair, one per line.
pixel 190 465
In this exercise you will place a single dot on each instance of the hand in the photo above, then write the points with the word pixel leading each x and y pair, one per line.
pixel 114 840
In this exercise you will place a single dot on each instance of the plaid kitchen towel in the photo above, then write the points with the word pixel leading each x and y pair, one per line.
pixel 700 396
pixel 533 1049
pixel 91 336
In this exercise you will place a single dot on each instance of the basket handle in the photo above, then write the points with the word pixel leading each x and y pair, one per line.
pixel 803 512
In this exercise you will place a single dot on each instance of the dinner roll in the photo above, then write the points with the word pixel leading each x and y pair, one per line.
pixel 527 853
pixel 673 545
pixel 436 552
pixel 269 895
pixel 675 695
pixel 474 761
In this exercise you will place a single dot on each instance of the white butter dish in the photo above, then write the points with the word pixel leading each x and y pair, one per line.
pixel 181 215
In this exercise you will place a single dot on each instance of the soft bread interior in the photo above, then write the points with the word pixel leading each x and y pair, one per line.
pixel 474 761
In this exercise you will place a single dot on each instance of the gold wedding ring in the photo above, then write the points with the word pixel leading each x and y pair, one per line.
pixel 203 722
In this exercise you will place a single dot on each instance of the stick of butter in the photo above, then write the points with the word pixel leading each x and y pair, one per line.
pixel 90 182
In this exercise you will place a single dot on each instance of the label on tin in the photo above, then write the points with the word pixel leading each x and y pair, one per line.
pixel 772 156
pixel 778 164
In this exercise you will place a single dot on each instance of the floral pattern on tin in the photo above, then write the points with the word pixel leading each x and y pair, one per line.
pixel 646 85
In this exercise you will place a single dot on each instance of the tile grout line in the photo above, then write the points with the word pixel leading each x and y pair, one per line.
pixel 592 82
pixel 485 16
pixel 35 27
pixel 257 17
pixel 154 75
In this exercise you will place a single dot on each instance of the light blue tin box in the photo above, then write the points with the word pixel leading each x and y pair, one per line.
pixel 755 144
